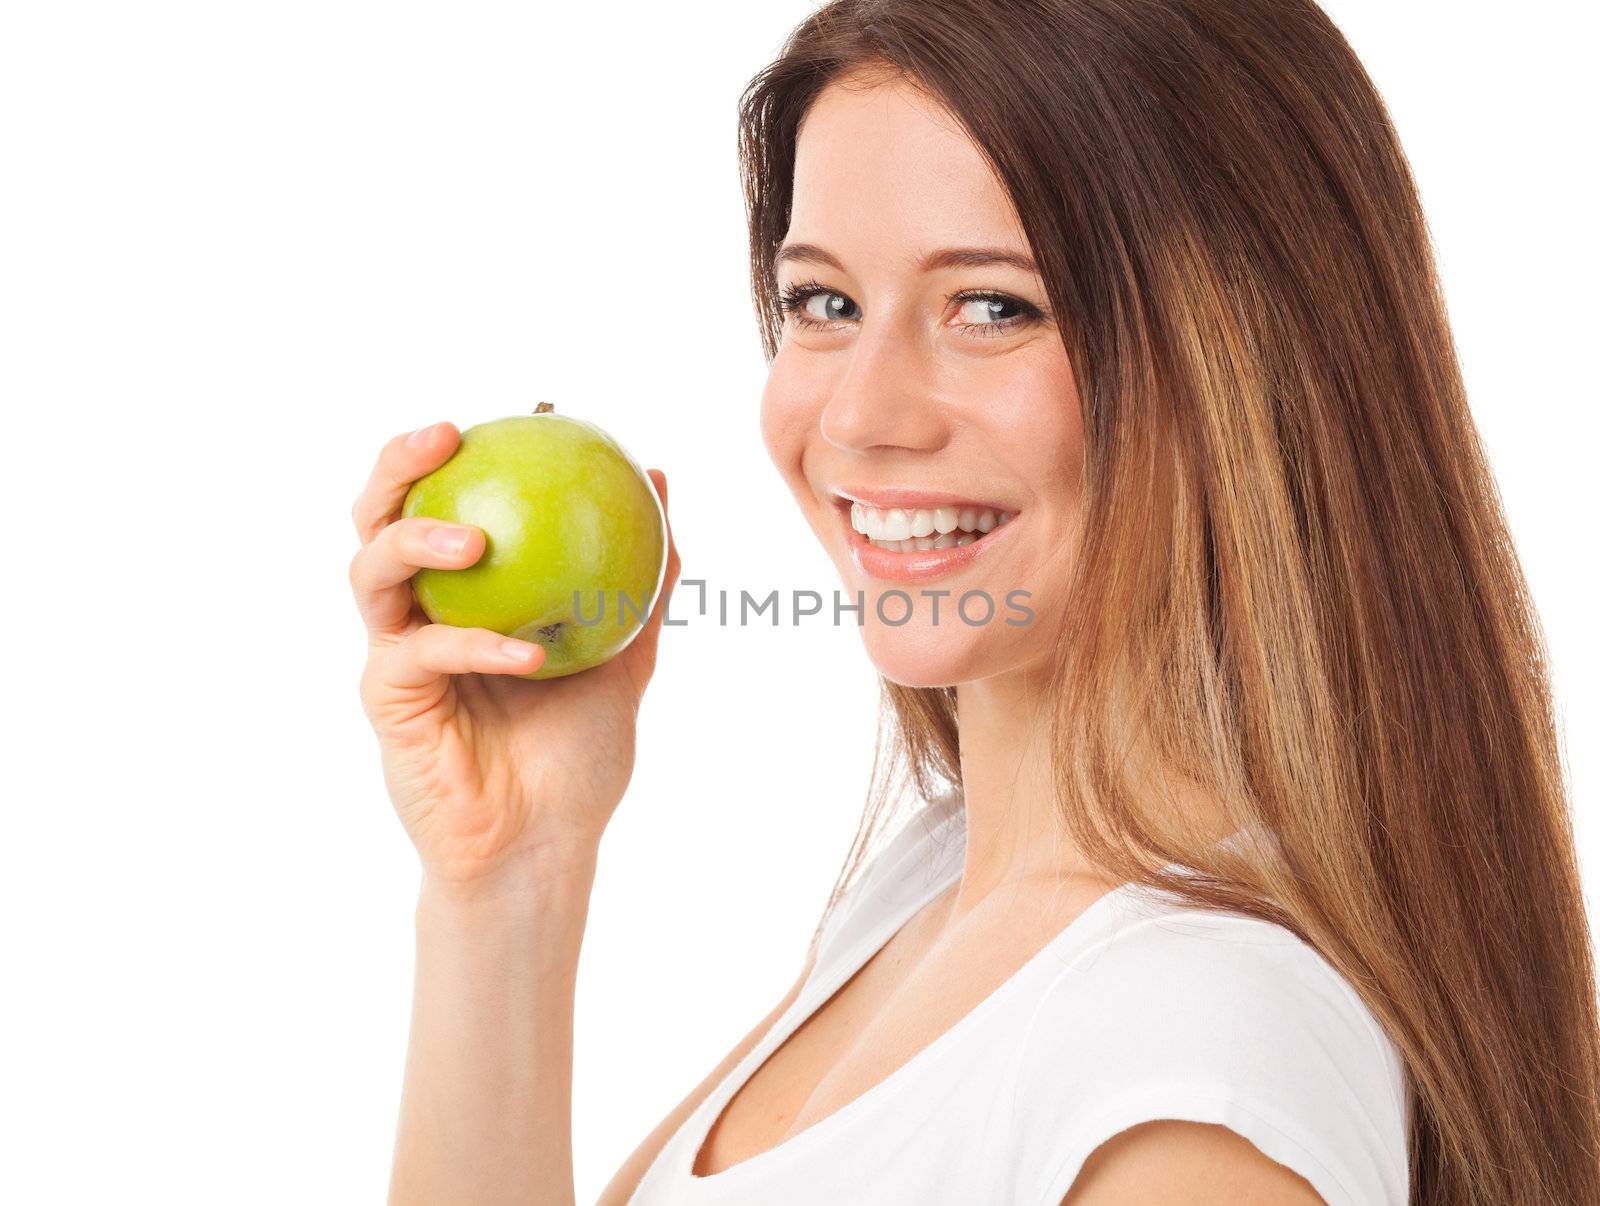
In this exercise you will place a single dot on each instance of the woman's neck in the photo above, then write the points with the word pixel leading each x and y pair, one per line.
pixel 1013 830
pixel 1014 834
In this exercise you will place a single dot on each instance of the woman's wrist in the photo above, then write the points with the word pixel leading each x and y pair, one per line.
pixel 545 886
pixel 486 1110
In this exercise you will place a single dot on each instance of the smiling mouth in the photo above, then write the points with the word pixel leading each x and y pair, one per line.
pixel 907 530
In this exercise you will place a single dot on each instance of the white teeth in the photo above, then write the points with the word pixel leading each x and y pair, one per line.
pixel 948 540
pixel 911 530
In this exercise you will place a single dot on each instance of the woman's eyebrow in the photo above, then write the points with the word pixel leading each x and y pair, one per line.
pixel 949 257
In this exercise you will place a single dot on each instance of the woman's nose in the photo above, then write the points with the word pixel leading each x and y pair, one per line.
pixel 885 397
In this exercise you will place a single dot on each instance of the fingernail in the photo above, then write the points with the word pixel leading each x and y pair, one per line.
pixel 518 651
pixel 422 434
pixel 449 540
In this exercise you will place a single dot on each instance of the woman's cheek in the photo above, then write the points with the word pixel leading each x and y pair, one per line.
pixel 786 418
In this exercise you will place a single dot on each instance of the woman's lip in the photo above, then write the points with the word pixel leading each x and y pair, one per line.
pixel 912 500
pixel 919 566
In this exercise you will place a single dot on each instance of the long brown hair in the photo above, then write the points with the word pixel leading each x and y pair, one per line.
pixel 1296 591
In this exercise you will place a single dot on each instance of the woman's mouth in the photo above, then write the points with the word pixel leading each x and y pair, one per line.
pixel 906 530
pixel 914 544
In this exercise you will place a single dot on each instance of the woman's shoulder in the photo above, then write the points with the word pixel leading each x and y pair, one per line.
pixel 1208 975
pixel 1179 1011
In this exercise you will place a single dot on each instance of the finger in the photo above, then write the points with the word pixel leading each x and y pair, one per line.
pixel 674 565
pixel 658 477
pixel 644 647
pixel 403 460
pixel 380 572
pixel 435 650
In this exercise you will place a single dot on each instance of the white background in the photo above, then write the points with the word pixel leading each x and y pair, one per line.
pixel 240 246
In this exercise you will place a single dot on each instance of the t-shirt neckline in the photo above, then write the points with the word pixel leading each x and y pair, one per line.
pixel 841 967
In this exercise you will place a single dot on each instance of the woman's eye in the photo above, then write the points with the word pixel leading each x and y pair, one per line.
pixel 827 307
pixel 981 311
pixel 814 305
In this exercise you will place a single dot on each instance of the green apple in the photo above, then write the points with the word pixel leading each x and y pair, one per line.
pixel 577 538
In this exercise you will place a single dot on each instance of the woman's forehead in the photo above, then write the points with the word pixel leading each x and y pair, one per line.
pixel 886 169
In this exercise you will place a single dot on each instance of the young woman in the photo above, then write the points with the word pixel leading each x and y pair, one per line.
pixel 1243 871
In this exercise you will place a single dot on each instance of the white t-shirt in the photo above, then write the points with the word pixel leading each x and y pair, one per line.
pixel 1141 1008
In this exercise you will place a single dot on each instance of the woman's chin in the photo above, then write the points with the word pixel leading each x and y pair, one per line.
pixel 926 656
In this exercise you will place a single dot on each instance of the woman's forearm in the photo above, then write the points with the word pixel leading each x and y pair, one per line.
pixel 486 1111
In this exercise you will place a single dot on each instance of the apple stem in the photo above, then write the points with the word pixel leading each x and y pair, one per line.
pixel 544 408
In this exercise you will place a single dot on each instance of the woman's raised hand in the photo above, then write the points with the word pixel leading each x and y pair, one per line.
pixel 485 768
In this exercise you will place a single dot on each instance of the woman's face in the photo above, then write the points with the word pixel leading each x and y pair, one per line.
pixel 913 394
